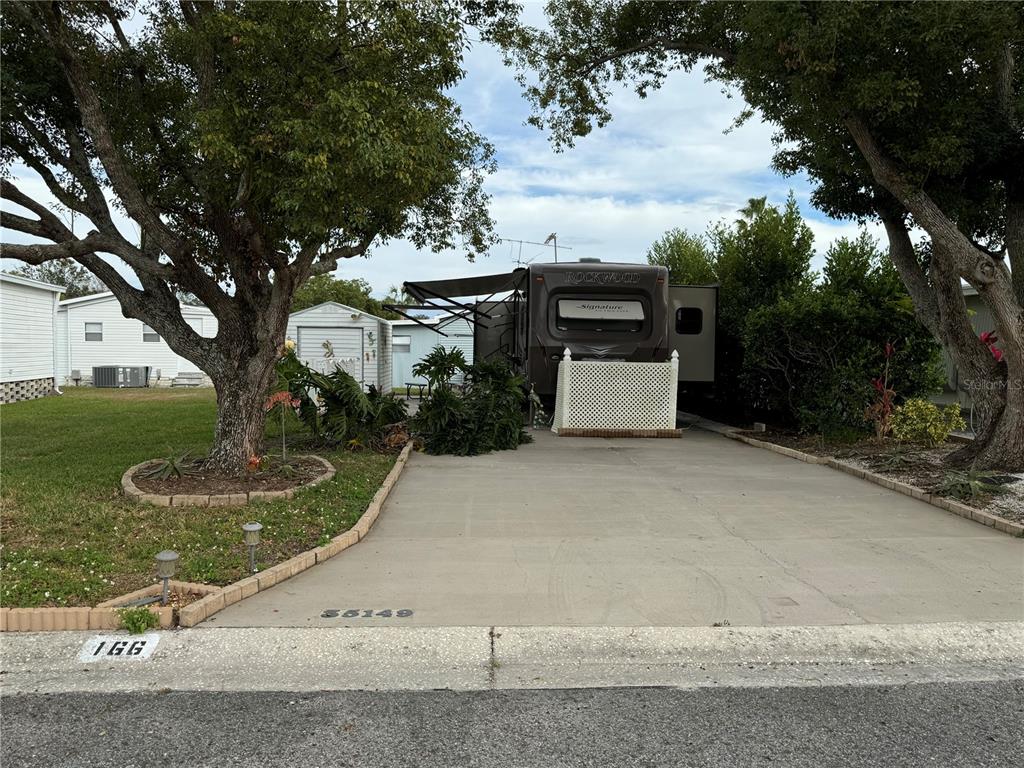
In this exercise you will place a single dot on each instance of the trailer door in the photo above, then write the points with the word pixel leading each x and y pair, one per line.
pixel 692 322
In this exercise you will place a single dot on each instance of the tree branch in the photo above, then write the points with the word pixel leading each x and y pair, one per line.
pixel 309 263
pixel 974 265
pixel 41 253
pixel 50 226
pixel 655 43
pixel 904 258
pixel 93 118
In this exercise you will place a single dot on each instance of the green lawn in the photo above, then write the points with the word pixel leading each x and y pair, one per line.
pixel 70 538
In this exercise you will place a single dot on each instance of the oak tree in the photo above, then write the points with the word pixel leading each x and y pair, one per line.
pixel 253 144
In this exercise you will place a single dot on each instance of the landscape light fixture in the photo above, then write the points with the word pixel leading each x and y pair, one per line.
pixel 166 564
pixel 252 538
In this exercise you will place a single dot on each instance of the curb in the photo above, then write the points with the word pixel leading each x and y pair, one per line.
pixel 199 611
pixel 949 505
pixel 133 493
pixel 103 616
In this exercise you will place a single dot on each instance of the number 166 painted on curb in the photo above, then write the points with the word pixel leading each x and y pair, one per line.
pixel 365 613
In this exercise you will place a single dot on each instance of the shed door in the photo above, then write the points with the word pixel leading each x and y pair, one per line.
pixel 324 348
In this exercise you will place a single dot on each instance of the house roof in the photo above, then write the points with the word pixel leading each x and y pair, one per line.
pixel 85 299
pixel 343 307
pixel 20 280
pixel 446 319
pixel 98 298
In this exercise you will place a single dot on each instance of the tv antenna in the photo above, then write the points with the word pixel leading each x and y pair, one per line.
pixel 550 242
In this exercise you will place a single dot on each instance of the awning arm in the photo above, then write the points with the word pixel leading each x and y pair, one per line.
pixel 399 309
pixel 466 307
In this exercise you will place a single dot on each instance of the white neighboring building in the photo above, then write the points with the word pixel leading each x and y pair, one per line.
pixel 412 341
pixel 333 335
pixel 28 327
pixel 92 332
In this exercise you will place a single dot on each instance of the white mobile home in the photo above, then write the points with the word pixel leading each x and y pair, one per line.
pixel 332 335
pixel 412 341
pixel 93 333
pixel 28 327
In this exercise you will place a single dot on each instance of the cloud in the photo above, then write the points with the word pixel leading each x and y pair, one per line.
pixel 665 161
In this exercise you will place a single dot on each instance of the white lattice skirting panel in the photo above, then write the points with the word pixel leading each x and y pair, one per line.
pixel 327 365
pixel 595 395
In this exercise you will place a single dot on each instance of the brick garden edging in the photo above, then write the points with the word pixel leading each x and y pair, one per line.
pixel 215 499
pixel 193 613
pixel 103 616
pixel 949 505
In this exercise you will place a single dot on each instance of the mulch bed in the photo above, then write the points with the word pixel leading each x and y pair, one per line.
pixel 199 481
pixel 916 465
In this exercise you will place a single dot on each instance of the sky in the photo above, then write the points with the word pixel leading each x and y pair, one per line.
pixel 663 162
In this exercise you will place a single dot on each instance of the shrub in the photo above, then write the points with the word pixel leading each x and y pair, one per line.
pixel 919 421
pixel 813 357
pixel 138 619
pixel 968 485
pixel 440 365
pixel 486 416
pixel 334 407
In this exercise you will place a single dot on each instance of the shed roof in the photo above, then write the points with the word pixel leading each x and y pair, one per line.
pixel 343 307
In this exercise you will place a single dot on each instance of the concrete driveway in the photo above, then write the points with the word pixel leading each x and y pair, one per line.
pixel 688 532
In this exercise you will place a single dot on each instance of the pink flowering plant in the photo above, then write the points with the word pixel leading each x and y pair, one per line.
pixel 879 413
pixel 989 339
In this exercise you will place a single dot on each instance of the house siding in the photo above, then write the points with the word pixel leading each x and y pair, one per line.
pixel 981 321
pixel 26 332
pixel 122 343
pixel 422 340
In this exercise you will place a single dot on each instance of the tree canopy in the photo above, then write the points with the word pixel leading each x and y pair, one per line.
pixel 910 113
pixel 352 293
pixel 254 144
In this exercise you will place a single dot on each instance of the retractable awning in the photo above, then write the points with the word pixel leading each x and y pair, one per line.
pixel 463 287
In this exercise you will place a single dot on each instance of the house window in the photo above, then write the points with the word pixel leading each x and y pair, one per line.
pixel 402 343
pixel 689 321
pixel 148 334
pixel 94 331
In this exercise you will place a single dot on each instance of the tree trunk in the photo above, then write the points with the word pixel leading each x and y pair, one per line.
pixel 241 420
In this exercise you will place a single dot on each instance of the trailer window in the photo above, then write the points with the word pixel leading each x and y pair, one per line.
pixel 689 321
pixel 600 315
pixel 402 343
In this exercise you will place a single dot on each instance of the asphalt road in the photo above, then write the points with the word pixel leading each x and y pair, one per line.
pixel 942 724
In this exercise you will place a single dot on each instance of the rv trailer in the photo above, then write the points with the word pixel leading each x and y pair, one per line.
pixel 596 310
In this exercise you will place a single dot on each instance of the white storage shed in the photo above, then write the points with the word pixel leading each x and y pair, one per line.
pixel 28 329
pixel 333 335
pixel 93 333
